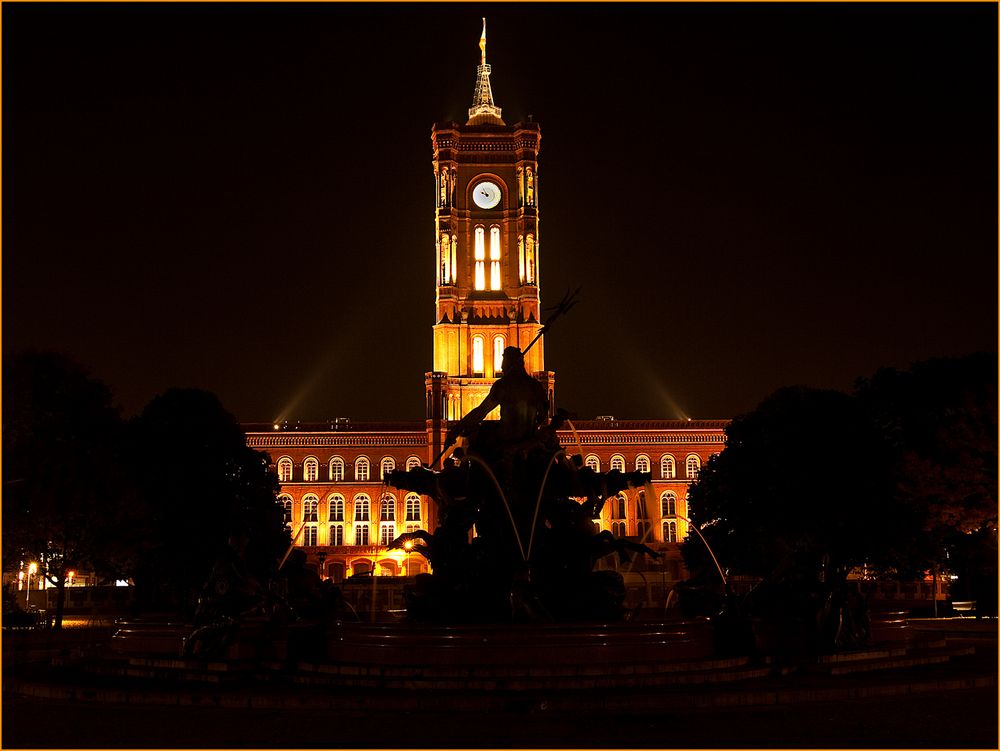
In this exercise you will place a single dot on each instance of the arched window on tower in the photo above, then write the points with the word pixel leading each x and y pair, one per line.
pixel 454 263
pixel 443 187
pixel 478 368
pixel 520 258
pixel 495 257
pixel 445 259
pixel 668 468
pixel 520 187
pixel 529 260
pixel 498 347
pixel 480 258
pixel 530 187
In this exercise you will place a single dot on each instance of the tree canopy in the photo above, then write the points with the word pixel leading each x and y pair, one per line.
pixel 65 499
pixel 882 477
pixel 200 485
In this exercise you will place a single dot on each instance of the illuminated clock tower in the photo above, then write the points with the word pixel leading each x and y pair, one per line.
pixel 486 251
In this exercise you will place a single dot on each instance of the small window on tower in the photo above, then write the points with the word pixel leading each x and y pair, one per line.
pixel 498 347
pixel 494 257
pixel 529 260
pixel 520 258
pixel 477 356
pixel 480 258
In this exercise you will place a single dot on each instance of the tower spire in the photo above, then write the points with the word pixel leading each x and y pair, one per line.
pixel 483 111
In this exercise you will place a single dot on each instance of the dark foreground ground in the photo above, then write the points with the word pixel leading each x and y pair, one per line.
pixel 952 719
pixel 901 708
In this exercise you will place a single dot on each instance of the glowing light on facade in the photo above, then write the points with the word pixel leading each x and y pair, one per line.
pixel 498 346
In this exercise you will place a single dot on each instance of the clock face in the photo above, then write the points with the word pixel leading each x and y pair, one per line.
pixel 486 194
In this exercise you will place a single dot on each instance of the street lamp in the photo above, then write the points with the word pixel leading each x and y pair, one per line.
pixel 409 546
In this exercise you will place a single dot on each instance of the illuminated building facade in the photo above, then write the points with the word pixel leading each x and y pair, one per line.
pixel 487 254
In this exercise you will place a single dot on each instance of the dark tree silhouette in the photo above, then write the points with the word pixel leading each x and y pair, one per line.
pixel 803 481
pixel 200 486
pixel 940 420
pixel 65 500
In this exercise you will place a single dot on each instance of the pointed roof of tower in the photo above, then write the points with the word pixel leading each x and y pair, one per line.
pixel 483 111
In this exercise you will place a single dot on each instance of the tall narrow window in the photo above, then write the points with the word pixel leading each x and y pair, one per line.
pixel 309 536
pixel 477 356
pixel 362 510
pixel 618 529
pixel 497 356
pixel 530 188
pixel 520 187
pixel 412 507
pixel 640 505
pixel 692 466
pixel 618 507
pixel 336 503
pixel 387 509
pixel 520 258
pixel 310 508
pixel 529 260
pixel 310 469
pixel 336 534
pixel 668 469
pixel 336 469
pixel 668 504
pixel 480 258
pixel 388 464
pixel 445 259
pixel 286 508
pixel 362 470
pixel 494 257
pixel 454 264
pixel 360 534
pixel 387 533
pixel 670 531
pixel 284 469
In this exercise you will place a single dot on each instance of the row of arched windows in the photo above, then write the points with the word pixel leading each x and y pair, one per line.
pixel 336 468
pixel 527 259
pixel 361 507
pixel 618 504
pixel 619 523
pixel 338 531
pixel 668 465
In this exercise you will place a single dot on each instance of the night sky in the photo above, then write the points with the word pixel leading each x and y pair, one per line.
pixel 240 198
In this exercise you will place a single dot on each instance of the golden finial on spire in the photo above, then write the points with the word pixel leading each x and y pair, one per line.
pixel 482 43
